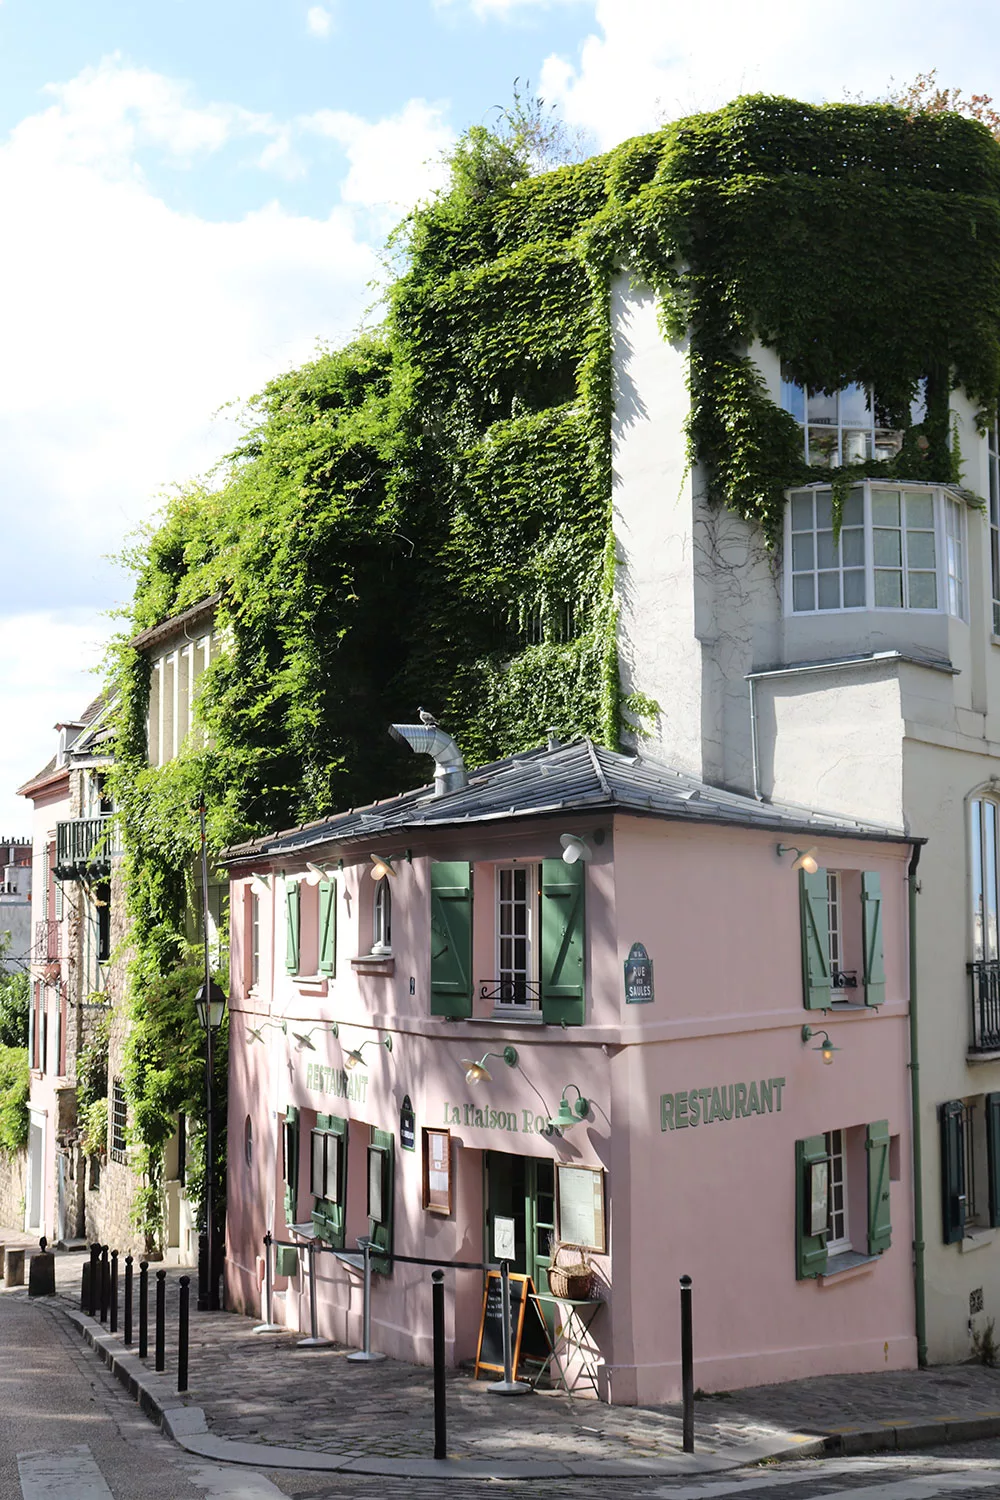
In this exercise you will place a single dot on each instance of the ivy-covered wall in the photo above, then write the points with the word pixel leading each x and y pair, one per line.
pixel 423 517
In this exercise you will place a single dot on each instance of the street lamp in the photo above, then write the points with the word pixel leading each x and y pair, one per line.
pixel 216 1007
pixel 210 1003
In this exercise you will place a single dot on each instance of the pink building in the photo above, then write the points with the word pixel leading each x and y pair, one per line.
pixel 711 1136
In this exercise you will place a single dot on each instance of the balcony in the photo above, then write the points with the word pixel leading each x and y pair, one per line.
pixel 985 978
pixel 513 996
pixel 45 948
pixel 84 847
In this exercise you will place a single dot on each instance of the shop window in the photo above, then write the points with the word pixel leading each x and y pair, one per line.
pixel 119 1122
pixel 382 918
pixel 842 1198
pixel 842 949
pixel 290 1162
pixel 328 1178
pixel 970 1165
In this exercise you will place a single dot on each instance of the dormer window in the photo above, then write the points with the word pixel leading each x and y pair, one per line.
pixel 896 548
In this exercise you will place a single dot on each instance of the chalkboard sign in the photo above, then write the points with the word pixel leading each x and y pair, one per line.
pixel 638 976
pixel 529 1337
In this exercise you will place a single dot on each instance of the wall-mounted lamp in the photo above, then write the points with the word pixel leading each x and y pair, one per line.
pixel 382 864
pixel 303 1037
pixel 575 847
pixel 569 1114
pixel 318 873
pixel 805 859
pixel 825 1047
pixel 256 1033
pixel 477 1072
pixel 260 884
pixel 355 1058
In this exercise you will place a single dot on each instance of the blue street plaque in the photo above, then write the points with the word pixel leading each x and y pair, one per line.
pixel 638 976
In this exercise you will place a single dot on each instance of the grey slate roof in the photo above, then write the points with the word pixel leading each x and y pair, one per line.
pixel 580 777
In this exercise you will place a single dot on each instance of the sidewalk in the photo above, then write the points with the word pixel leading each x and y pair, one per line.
pixel 260 1399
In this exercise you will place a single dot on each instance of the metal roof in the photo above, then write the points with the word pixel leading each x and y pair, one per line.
pixel 579 777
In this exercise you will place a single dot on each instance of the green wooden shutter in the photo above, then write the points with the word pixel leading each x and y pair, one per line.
pixel 451 938
pixel 327 1216
pixel 293 908
pixel 993 1154
pixel 810 1249
pixel 562 935
pixel 815 918
pixel 381 1233
pixel 879 1225
pixel 291 1149
pixel 327 927
pixel 952 1171
pixel 871 936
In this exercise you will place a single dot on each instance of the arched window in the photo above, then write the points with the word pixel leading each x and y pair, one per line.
pixel 984 825
pixel 382 925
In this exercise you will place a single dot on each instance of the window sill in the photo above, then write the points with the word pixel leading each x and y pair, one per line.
pixel 314 984
pixel 977 1239
pixel 379 964
pixel 846 1266
pixel 516 1016
pixel 973 1058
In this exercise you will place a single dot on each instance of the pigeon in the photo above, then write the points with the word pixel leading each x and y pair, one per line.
pixel 427 718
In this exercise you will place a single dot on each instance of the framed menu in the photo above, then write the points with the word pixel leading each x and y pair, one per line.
pixel 437 1171
pixel 580 1207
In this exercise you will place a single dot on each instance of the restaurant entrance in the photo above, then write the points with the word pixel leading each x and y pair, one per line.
pixel 522 1188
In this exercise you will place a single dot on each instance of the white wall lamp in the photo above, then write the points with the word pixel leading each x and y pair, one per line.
pixel 318 873
pixel 382 864
pixel 805 859
pixel 576 846
pixel 478 1072
pixel 356 1059
pixel 570 1114
pixel 825 1047
pixel 260 884
pixel 256 1033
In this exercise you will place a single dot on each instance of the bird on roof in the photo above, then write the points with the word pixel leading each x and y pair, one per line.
pixel 427 718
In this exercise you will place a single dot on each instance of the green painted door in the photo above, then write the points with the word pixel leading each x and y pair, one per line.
pixel 522 1188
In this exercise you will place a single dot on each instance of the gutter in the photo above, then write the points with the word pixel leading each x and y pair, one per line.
pixel 918 1180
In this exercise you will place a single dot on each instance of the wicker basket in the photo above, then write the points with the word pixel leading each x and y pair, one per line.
pixel 573 1281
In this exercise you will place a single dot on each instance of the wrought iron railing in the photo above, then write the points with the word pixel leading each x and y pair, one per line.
pixel 45 948
pixel 985 979
pixel 516 993
pixel 84 845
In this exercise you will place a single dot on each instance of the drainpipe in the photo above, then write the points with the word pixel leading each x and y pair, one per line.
pixel 918 1179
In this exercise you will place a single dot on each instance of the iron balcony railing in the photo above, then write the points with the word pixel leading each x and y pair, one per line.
pixel 45 948
pixel 985 978
pixel 524 994
pixel 84 846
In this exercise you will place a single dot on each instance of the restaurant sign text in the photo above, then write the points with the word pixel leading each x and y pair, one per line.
pixel 726 1101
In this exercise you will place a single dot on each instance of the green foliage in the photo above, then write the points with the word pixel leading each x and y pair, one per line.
pixel 92 1065
pixel 93 1119
pixel 15 1085
pixel 15 1003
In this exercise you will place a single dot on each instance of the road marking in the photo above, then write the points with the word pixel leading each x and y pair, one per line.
pixel 927 1485
pixel 233 1484
pixel 916 1488
pixel 70 1474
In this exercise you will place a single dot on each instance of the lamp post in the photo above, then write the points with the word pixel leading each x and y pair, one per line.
pixel 210 1003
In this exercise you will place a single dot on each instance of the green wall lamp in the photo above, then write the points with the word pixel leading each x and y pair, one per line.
pixel 570 1114
pixel 356 1058
pixel 256 1033
pixel 826 1047
pixel 805 859
pixel 303 1037
pixel 477 1072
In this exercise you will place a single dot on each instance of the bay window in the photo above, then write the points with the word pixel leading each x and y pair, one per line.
pixel 898 547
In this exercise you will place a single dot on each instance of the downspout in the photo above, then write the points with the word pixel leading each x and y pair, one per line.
pixel 918 1179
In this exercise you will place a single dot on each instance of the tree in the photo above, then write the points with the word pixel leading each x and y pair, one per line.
pixel 925 96
pixel 14 1002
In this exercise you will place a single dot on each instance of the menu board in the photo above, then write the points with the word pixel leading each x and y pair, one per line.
pixel 581 1207
pixel 437 1171
pixel 529 1337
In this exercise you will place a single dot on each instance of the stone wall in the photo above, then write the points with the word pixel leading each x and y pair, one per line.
pixel 13 1177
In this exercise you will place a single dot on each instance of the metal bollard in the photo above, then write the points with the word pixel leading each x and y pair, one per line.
pixel 366 1354
pixel 95 1280
pixel 687 1364
pixel 128 1301
pixel 182 1334
pixel 85 1287
pixel 114 1291
pixel 440 1414
pixel 508 1386
pixel 105 1283
pixel 268 1325
pixel 143 1309
pixel 313 1341
pixel 160 1361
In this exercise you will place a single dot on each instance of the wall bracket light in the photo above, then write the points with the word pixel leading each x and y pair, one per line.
pixel 574 847
pixel 805 859
pixel 356 1058
pixel 825 1047
pixel 303 1037
pixel 382 864
pixel 570 1114
pixel 260 884
pixel 319 872
pixel 477 1072
pixel 256 1033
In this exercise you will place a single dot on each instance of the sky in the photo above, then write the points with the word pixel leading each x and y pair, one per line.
pixel 196 195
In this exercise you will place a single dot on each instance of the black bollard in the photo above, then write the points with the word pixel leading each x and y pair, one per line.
pixel 105 1283
pixel 95 1280
pixel 182 1334
pixel 160 1362
pixel 687 1364
pixel 128 1301
pixel 440 1415
pixel 85 1287
pixel 143 1309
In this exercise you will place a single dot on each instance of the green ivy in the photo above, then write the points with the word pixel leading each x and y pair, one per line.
pixel 15 1086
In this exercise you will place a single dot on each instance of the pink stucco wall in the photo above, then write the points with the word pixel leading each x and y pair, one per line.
pixel 718 913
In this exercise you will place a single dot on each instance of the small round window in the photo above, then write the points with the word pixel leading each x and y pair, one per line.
pixel 248 1141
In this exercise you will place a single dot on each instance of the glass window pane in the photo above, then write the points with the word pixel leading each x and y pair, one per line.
pixel 920 511
pixel 793 396
pixel 824 510
pixel 990 878
pixel 803 554
pixel 802 511
pixel 803 592
pixel 824 447
pixel 852 547
pixel 855 406
pixel 888 590
pixel 829 590
pixel 856 445
pixel 885 508
pixel 918 406
pixel 823 407
pixel 887 549
pixel 888 442
pixel 920 549
pixel 976 852
pixel 854 508
pixel 826 552
pixel 922 588
pixel 854 589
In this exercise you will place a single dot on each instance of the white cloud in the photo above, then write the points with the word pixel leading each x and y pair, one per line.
pixel 648 59
pixel 396 161
pixel 319 21
pixel 504 10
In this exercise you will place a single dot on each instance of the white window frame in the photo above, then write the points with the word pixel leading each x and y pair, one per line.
pixel 950 553
pixel 835 912
pixel 984 877
pixel 890 439
pixel 382 917
pixel 994 490
pixel 837 1209
pixel 254 940
pixel 530 1002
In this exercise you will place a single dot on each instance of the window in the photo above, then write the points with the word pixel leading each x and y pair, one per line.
pixel 845 426
pixel 841 915
pixel 842 1195
pixel 328 1177
pixel 382 918
pixel 985 879
pixel 994 465
pixel 517 900
pixel 254 941
pixel 970 1165
pixel 290 1162
pixel 837 1237
pixel 119 1122
pixel 896 549
pixel 834 915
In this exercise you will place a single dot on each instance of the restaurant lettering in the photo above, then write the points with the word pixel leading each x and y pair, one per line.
pixel 727 1101
pixel 523 1122
pixel 337 1081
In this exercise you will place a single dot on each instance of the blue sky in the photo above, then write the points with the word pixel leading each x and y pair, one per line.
pixel 195 193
